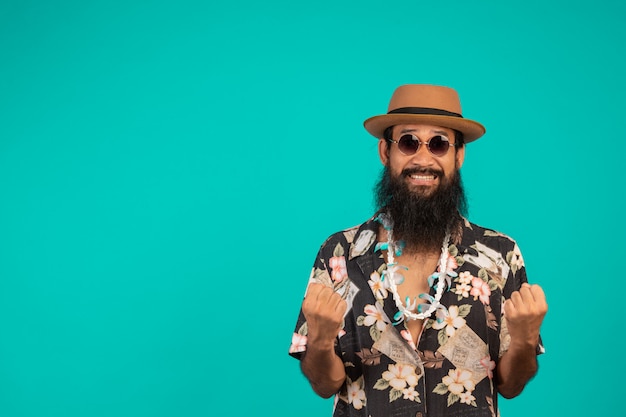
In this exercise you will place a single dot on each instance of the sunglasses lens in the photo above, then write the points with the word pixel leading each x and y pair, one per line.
pixel 438 145
pixel 408 144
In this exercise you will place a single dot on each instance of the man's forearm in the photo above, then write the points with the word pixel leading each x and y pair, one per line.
pixel 324 370
pixel 515 368
pixel 524 312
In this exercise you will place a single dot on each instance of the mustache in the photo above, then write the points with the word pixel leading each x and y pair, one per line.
pixel 420 170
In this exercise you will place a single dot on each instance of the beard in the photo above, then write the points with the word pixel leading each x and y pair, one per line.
pixel 421 220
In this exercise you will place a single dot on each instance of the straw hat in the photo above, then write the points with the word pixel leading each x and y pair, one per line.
pixel 425 104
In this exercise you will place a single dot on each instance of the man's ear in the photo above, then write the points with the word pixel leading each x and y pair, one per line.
pixel 383 151
pixel 460 156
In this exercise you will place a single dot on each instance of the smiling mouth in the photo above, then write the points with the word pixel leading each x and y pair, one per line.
pixel 422 177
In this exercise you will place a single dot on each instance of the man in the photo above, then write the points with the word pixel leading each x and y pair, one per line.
pixel 419 312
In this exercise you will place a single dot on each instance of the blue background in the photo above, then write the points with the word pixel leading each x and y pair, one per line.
pixel 168 171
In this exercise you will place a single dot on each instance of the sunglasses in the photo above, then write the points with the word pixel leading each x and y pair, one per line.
pixel 437 145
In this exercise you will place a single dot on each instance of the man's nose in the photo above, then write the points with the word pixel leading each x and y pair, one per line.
pixel 422 156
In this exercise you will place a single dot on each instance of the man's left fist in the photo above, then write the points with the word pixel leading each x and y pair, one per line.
pixel 524 313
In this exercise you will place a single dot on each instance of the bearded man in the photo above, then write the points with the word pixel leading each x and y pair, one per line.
pixel 418 311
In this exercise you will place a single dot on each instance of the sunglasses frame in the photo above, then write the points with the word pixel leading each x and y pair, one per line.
pixel 420 143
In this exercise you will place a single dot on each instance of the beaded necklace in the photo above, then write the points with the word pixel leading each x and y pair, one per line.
pixel 404 311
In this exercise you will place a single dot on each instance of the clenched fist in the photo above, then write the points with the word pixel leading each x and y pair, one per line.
pixel 324 310
pixel 524 313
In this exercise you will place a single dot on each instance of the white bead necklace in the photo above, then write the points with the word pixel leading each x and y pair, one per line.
pixel 405 311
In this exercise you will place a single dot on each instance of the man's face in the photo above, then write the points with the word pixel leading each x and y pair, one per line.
pixel 422 172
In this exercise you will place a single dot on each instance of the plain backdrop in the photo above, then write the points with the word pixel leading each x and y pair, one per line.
pixel 168 170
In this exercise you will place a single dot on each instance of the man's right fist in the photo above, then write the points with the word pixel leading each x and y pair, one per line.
pixel 323 309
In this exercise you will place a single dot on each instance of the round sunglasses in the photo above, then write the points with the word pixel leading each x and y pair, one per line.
pixel 437 145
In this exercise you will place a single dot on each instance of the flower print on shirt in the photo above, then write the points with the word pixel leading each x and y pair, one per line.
pixel 337 265
pixel 479 287
pixel 377 285
pixel 489 366
pixel 480 290
pixel 298 343
pixel 375 315
pixel 463 285
pixel 356 393
pixel 451 265
pixel 401 379
pixel 448 320
pixel 375 318
pixel 406 335
pixel 458 385
pixel 467 398
pixel 515 259
pixel 410 394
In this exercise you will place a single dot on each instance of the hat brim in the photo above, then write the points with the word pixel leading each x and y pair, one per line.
pixel 471 130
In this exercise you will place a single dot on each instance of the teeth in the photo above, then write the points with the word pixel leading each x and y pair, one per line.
pixel 423 177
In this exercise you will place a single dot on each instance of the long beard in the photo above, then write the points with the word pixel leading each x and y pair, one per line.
pixel 421 220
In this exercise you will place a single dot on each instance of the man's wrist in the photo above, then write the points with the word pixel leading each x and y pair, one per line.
pixel 524 344
pixel 321 345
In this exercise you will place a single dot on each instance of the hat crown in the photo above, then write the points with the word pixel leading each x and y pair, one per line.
pixel 427 105
pixel 425 96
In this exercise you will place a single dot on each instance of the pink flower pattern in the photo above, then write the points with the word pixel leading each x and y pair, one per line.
pixel 480 290
pixel 489 365
pixel 298 343
pixel 338 266
pixel 406 335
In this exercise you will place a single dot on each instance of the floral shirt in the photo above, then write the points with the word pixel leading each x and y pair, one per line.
pixel 451 371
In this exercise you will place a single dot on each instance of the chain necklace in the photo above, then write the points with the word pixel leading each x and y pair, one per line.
pixel 405 310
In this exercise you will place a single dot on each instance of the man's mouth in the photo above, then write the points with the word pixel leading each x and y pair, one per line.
pixel 422 177
pixel 422 174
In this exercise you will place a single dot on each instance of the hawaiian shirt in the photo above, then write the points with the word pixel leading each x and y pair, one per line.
pixel 451 371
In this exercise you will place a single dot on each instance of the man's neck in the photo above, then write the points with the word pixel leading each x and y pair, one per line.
pixel 423 250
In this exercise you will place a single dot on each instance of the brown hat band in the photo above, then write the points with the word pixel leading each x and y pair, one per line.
pixel 424 110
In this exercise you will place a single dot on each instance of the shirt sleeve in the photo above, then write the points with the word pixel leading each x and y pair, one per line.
pixel 319 274
pixel 516 277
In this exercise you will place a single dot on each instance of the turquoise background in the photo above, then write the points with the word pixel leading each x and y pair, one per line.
pixel 168 171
